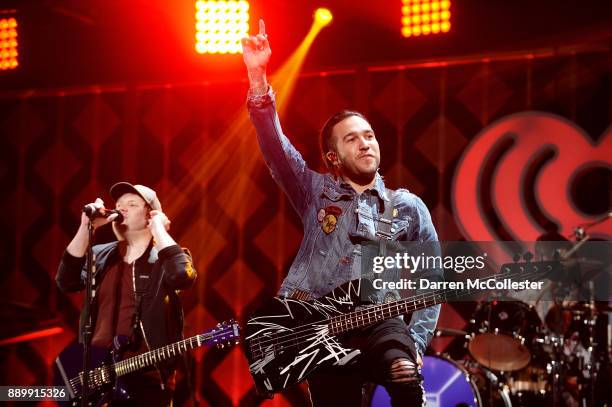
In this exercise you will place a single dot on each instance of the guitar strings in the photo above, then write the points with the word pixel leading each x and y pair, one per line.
pixel 374 310
pixel 129 364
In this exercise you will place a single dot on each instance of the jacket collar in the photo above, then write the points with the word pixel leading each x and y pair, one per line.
pixel 150 255
pixel 335 189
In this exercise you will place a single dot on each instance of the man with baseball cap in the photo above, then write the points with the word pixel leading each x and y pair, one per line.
pixel 136 280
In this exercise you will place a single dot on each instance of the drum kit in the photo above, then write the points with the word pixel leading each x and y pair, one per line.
pixel 510 356
pixel 512 359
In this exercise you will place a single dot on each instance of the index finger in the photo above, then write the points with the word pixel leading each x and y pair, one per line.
pixel 262 27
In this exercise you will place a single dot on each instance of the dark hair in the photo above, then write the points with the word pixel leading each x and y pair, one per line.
pixel 325 137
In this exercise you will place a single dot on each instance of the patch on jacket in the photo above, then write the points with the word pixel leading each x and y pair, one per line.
pixel 328 218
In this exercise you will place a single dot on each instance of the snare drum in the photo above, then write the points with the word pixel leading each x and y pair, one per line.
pixel 448 384
pixel 501 333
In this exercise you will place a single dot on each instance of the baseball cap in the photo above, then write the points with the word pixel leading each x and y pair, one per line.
pixel 146 193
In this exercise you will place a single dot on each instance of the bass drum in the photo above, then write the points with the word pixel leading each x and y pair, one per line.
pixel 451 384
pixel 502 332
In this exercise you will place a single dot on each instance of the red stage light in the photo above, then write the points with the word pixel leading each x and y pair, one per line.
pixel 8 43
pixel 220 25
pixel 424 17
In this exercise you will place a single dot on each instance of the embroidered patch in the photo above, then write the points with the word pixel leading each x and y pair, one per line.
pixel 333 210
pixel 328 218
pixel 329 223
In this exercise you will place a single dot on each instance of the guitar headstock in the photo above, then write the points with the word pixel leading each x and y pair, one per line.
pixel 533 269
pixel 226 333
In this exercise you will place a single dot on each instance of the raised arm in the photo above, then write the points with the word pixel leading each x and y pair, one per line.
pixel 286 164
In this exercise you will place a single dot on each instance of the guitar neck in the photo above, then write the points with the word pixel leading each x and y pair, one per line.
pixel 378 313
pixel 162 354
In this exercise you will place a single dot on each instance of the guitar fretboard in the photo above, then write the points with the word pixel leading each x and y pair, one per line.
pixel 224 334
pixel 377 313
pixel 160 354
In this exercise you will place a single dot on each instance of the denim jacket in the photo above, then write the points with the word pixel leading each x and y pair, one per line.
pixel 327 259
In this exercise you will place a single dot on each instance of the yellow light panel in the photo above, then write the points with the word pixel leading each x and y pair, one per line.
pixel 8 44
pixel 425 17
pixel 220 25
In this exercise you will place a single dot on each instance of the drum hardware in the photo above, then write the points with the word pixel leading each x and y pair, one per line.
pixel 449 332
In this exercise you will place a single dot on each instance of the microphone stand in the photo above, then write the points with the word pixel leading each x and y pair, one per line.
pixel 87 328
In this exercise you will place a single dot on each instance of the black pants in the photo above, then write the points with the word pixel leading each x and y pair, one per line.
pixel 380 346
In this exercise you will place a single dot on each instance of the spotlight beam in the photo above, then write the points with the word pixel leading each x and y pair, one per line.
pixel 239 141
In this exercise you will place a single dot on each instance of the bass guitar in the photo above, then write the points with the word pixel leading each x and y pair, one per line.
pixel 286 340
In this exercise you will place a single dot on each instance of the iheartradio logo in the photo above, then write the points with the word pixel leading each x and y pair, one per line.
pixel 530 171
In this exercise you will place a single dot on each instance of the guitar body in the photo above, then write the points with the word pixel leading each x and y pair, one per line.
pixel 69 364
pixel 287 339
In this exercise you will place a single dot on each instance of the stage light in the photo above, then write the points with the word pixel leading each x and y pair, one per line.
pixel 323 16
pixel 424 17
pixel 8 44
pixel 220 25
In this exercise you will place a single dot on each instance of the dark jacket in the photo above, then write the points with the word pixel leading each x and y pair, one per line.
pixel 158 275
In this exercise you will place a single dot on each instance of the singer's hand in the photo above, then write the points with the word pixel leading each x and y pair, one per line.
pixel 158 220
pixel 98 221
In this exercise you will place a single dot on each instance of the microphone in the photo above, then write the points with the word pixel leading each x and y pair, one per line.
pixel 93 212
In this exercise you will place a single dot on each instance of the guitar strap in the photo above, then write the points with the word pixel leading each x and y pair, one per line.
pixel 140 287
pixel 384 228
pixel 384 235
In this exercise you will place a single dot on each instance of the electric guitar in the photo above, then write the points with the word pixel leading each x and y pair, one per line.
pixel 286 339
pixel 106 377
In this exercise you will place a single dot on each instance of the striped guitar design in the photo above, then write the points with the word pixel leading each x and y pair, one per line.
pixel 287 339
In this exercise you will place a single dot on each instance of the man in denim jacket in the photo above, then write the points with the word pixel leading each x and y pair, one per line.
pixel 339 210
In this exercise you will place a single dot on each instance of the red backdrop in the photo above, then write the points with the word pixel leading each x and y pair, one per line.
pixel 62 148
